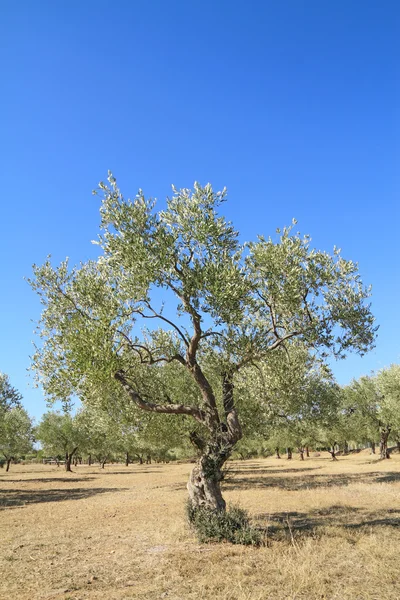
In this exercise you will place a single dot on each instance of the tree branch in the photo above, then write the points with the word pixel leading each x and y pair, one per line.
pixel 176 409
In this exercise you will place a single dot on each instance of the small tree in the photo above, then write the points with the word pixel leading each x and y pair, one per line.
pixel 60 435
pixel 227 305
pixel 16 434
pixel 388 385
pixel 10 397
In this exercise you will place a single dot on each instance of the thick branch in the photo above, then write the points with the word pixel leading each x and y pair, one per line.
pixel 172 409
pixel 231 415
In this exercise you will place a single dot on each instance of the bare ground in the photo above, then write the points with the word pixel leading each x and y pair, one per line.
pixel 332 532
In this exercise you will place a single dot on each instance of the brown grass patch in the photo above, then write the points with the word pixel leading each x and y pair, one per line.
pixel 332 530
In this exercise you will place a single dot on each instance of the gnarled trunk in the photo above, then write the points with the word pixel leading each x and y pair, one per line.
pixel 8 463
pixel 333 452
pixel 383 444
pixel 289 453
pixel 307 452
pixel 277 452
pixel 204 485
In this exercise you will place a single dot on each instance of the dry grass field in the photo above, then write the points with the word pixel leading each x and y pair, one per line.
pixel 332 532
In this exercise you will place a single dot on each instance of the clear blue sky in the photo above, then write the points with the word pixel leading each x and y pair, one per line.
pixel 292 104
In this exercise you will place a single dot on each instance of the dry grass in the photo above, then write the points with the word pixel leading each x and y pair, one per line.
pixel 332 532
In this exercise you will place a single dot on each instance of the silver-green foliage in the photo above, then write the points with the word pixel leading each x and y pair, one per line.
pixel 213 308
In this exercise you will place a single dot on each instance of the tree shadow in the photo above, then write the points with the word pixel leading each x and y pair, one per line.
pixel 50 480
pixel 296 524
pixel 309 481
pixel 269 473
pixel 101 472
pixel 14 498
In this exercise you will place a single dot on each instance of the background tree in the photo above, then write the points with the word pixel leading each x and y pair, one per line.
pixel 388 385
pixel 16 434
pixel 227 306
pixel 60 435
pixel 9 395
pixel 361 405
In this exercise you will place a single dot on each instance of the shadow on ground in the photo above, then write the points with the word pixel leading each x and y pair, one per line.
pixel 292 525
pixel 50 480
pixel 305 482
pixel 15 498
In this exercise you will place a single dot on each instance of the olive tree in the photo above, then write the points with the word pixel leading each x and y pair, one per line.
pixel 60 435
pixel 16 434
pixel 388 386
pixel 182 272
pixel 10 397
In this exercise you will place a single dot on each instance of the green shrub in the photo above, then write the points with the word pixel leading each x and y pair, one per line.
pixel 217 526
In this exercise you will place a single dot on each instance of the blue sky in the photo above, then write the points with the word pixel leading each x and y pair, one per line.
pixel 293 105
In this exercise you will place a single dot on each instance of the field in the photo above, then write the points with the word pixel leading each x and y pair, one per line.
pixel 332 532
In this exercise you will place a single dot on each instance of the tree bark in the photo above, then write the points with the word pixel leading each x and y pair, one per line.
pixel 345 447
pixel 89 460
pixel 398 445
pixel 372 447
pixel 8 464
pixel 333 452
pixel 277 452
pixel 204 485
pixel 301 452
pixel 68 459
pixel 289 453
pixel 307 452
pixel 126 459
pixel 383 444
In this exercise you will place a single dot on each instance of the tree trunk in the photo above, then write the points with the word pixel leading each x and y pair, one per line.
pixel 398 445
pixel 277 452
pixel 333 452
pixel 301 452
pixel 89 460
pixel 307 452
pixel 126 459
pixel 68 459
pixel 103 462
pixel 372 447
pixel 383 444
pixel 345 447
pixel 148 459
pixel 204 485
pixel 8 464
pixel 289 453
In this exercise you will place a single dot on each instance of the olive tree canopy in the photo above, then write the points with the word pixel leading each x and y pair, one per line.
pixel 174 289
